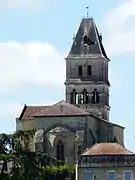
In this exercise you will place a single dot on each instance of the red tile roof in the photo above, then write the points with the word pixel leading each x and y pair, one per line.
pixel 107 149
pixel 60 109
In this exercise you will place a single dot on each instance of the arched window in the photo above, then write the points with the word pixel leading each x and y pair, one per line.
pixel 80 70
pixel 82 98
pixel 89 71
pixel 95 96
pixel 74 97
pixel 85 97
pixel 77 99
pixel 60 151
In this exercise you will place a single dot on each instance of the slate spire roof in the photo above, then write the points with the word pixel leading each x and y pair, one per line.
pixel 87 40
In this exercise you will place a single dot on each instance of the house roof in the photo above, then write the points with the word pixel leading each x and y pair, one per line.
pixel 61 108
pixel 88 32
pixel 107 149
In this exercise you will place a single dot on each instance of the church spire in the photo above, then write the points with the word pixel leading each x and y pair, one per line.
pixel 87 40
pixel 87 84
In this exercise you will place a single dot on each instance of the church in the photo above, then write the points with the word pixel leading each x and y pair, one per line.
pixel 68 127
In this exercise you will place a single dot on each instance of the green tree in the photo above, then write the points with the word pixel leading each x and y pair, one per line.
pixel 27 165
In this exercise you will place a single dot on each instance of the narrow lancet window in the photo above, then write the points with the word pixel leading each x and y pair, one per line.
pixel 85 96
pixel 77 99
pixel 82 98
pixel 73 97
pixel 80 70
pixel 95 96
pixel 60 151
pixel 89 71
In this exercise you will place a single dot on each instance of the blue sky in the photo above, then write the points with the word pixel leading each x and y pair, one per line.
pixel 35 36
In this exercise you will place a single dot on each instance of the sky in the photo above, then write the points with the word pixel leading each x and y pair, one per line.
pixel 36 36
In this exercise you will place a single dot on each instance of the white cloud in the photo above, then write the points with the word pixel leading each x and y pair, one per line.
pixel 120 27
pixel 9 111
pixel 13 109
pixel 41 64
pixel 34 63
pixel 24 4
pixel 30 63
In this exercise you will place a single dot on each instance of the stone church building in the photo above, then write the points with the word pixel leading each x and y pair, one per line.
pixel 68 127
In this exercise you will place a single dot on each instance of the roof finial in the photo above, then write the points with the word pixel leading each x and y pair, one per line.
pixel 87 11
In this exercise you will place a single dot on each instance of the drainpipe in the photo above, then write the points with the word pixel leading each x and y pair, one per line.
pixel 76 171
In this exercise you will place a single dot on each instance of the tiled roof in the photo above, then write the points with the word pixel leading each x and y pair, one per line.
pixel 60 109
pixel 107 149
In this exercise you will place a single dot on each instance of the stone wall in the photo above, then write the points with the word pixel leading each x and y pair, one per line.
pixel 74 131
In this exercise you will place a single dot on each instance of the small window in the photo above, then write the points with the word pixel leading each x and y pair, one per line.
pixel 82 99
pixel 111 175
pixel 87 40
pixel 87 175
pixel 74 97
pixel 60 151
pixel 77 99
pixel 127 175
pixel 80 70
pixel 89 72
pixel 95 96
pixel 85 96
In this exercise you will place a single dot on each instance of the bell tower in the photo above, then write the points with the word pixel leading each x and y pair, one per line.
pixel 87 84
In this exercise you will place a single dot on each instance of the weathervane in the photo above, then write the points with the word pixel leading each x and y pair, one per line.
pixel 73 37
pixel 87 11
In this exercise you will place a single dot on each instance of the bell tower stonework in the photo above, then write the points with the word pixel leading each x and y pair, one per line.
pixel 65 129
pixel 87 84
